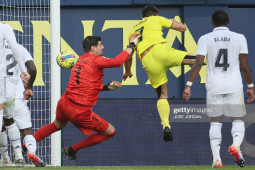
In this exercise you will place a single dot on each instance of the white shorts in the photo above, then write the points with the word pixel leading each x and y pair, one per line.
pixel 229 105
pixel 2 90
pixel 9 108
pixel 11 86
pixel 22 116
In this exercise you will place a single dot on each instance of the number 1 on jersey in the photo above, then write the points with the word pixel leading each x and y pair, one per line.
pixel 224 64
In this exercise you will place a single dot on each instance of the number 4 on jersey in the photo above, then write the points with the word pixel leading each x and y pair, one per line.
pixel 224 64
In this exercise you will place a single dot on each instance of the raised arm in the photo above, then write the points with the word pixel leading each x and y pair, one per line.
pixel 122 57
pixel 178 26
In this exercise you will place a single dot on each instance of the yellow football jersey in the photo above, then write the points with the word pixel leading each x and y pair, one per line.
pixel 151 30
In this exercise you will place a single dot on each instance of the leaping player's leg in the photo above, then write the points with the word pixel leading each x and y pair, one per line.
pixel 153 63
pixel 59 123
pixel 104 131
pixel 48 129
pixel 164 111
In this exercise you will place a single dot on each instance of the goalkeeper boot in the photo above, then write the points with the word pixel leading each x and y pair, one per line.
pixel 168 134
pixel 235 151
pixel 217 164
pixel 35 159
pixel 69 152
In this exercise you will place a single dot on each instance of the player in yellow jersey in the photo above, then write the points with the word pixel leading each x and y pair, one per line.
pixel 157 57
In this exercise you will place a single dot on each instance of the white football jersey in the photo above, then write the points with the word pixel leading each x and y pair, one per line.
pixel 6 33
pixel 13 71
pixel 222 48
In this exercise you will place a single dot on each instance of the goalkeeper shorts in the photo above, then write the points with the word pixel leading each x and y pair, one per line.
pixel 80 115
pixel 158 60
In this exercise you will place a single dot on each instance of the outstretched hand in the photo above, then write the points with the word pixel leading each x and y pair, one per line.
pixel 186 93
pixel 126 75
pixel 134 38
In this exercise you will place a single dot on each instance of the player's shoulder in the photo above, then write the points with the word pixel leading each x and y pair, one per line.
pixel 205 36
pixel 238 35
pixel 5 26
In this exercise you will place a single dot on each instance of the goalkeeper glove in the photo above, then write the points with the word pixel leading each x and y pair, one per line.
pixel 112 86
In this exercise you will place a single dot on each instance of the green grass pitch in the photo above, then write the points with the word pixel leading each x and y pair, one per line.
pixel 248 167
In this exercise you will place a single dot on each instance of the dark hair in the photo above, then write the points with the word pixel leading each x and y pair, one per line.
pixel 90 41
pixel 220 17
pixel 149 10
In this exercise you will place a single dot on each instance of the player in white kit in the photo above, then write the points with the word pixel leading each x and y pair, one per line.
pixel 22 115
pixel 6 33
pixel 226 54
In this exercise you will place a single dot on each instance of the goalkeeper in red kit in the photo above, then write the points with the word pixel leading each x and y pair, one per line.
pixel 85 83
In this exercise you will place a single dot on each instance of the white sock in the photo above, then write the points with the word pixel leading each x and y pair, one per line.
pixel 1 119
pixel 30 143
pixel 237 132
pixel 14 136
pixel 3 145
pixel 215 139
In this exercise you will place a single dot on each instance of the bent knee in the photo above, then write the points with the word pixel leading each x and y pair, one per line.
pixel 112 134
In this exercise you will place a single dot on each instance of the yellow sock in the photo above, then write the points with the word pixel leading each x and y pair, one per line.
pixel 164 112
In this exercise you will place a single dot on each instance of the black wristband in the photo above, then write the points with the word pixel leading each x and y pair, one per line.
pixel 105 87
pixel 131 45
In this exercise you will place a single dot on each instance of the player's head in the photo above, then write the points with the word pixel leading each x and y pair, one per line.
pixel 220 18
pixel 93 44
pixel 149 10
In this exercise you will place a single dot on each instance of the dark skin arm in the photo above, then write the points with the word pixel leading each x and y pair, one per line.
pixel 193 74
pixel 246 73
pixel 28 86
pixel 128 65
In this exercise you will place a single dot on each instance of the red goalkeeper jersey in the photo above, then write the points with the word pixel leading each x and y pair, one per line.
pixel 87 77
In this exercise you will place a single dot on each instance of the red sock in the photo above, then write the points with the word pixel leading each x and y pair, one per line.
pixel 92 140
pixel 45 131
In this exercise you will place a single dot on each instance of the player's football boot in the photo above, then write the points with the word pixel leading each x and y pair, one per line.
pixel 68 151
pixel 19 162
pixel 168 134
pixel 217 164
pixel 235 151
pixel 7 162
pixel 36 160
